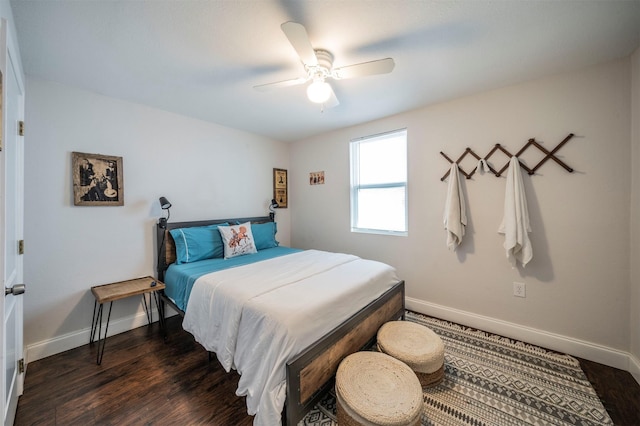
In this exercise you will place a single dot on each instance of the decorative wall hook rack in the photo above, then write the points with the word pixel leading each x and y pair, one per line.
pixel 498 147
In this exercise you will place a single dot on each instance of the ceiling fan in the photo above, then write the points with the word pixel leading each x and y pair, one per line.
pixel 318 65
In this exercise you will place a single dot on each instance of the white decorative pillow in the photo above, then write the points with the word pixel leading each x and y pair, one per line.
pixel 237 240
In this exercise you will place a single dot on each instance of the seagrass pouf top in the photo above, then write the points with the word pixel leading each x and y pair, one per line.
pixel 374 389
pixel 417 346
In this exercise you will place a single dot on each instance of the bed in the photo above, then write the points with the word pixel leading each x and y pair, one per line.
pixel 293 374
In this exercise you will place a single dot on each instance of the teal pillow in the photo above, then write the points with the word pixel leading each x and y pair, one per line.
pixel 264 235
pixel 197 243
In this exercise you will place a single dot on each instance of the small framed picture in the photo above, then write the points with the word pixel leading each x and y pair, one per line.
pixel 280 186
pixel 316 178
pixel 97 180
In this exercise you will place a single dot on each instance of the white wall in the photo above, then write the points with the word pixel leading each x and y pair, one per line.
pixel 635 216
pixel 205 170
pixel 578 282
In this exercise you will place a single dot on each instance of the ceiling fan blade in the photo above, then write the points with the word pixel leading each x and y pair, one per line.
pixel 381 66
pixel 299 39
pixel 279 84
pixel 332 101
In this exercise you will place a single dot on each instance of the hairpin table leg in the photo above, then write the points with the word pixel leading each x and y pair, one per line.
pixel 160 308
pixel 96 325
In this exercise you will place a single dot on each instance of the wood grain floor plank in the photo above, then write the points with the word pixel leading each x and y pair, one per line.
pixel 618 391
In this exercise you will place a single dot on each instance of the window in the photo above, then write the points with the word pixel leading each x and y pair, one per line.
pixel 379 183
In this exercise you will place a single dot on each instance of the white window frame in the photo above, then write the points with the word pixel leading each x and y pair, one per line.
pixel 354 148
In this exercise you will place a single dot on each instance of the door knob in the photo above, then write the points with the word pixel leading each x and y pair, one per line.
pixel 15 290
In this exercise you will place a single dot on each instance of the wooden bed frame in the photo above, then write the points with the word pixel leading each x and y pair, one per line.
pixel 311 373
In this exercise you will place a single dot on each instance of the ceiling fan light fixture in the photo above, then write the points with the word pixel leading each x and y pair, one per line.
pixel 319 91
pixel 318 66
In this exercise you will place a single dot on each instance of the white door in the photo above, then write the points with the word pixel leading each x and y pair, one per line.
pixel 11 215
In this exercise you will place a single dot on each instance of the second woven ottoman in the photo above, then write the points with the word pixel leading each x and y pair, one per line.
pixel 415 345
pixel 374 389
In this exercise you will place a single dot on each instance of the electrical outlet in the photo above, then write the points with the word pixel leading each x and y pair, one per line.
pixel 519 290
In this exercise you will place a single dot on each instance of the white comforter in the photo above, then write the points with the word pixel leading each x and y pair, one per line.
pixel 258 317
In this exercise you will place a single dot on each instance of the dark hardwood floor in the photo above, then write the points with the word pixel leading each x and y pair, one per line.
pixel 618 391
pixel 143 381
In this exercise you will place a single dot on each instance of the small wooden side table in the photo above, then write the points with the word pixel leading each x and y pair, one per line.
pixel 120 290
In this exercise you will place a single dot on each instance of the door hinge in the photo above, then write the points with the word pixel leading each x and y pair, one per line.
pixel 21 128
pixel 21 365
pixel 21 247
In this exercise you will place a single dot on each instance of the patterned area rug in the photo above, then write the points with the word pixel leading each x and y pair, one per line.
pixel 493 380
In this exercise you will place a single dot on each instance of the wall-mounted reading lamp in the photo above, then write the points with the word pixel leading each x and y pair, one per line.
pixel 274 205
pixel 164 205
pixel 162 223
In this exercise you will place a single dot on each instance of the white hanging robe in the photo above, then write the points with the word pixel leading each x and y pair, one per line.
pixel 455 216
pixel 515 222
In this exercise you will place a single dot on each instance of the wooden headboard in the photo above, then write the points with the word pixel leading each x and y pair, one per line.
pixel 167 247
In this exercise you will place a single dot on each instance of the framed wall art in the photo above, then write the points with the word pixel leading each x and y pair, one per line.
pixel 97 180
pixel 280 185
pixel 316 178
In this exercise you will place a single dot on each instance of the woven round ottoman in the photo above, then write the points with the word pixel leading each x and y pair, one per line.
pixel 374 389
pixel 415 345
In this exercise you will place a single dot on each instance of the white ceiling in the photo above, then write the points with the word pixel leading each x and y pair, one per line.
pixel 202 58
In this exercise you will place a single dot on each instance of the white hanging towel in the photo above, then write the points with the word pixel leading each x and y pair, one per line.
pixel 515 223
pixel 455 216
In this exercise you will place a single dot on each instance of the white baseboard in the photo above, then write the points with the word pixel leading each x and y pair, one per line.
pixel 79 338
pixel 569 345
pixel 634 367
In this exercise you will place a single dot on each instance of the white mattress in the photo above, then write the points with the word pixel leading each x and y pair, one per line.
pixel 257 317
